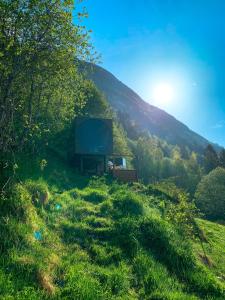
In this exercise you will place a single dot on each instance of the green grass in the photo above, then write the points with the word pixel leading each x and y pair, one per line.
pixel 214 247
pixel 99 240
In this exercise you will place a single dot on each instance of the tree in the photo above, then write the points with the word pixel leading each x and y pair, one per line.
pixel 222 158
pixel 92 102
pixel 194 173
pixel 179 172
pixel 210 194
pixel 166 168
pixel 38 48
pixel 144 159
pixel 39 82
pixel 129 125
pixel 210 159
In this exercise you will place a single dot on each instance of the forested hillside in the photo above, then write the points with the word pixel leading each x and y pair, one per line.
pixel 163 148
pixel 64 235
pixel 143 115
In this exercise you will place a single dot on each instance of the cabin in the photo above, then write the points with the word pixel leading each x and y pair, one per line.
pixel 93 150
pixel 93 143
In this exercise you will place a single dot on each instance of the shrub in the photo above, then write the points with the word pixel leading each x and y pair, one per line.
pixel 183 215
pixel 210 194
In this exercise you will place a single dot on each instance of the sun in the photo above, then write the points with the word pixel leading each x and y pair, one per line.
pixel 163 93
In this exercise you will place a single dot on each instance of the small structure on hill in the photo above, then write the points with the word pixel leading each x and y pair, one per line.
pixel 93 149
pixel 93 143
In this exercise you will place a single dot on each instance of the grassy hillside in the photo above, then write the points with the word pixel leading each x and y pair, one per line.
pixel 214 241
pixel 64 236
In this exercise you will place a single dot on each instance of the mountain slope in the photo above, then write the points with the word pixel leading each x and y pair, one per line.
pixel 94 239
pixel 148 117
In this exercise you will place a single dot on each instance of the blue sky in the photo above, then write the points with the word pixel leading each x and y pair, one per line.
pixel 182 42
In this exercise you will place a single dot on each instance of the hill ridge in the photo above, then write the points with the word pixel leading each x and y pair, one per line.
pixel 148 117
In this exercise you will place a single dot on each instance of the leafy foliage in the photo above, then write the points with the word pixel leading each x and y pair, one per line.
pixel 222 158
pixel 155 160
pixel 210 194
pixel 211 159
pixel 39 80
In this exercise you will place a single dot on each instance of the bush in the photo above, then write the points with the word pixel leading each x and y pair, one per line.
pixel 210 194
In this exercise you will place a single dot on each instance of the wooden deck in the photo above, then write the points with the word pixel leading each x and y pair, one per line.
pixel 124 175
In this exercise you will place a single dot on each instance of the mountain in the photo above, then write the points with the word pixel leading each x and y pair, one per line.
pixel 148 117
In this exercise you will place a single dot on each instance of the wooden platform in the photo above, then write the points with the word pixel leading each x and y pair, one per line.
pixel 125 175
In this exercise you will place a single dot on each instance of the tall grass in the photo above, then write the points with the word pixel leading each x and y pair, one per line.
pixel 103 241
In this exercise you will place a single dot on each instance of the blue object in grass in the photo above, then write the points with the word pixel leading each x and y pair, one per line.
pixel 60 282
pixel 58 206
pixel 37 235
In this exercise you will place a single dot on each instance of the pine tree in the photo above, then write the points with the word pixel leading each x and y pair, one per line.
pixel 222 158
pixel 211 160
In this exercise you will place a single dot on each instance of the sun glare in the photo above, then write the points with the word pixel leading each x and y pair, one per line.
pixel 163 93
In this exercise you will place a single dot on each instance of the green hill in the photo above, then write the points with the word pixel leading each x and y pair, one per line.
pixel 146 116
pixel 64 236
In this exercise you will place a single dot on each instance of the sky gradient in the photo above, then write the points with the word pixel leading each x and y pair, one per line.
pixel 178 41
